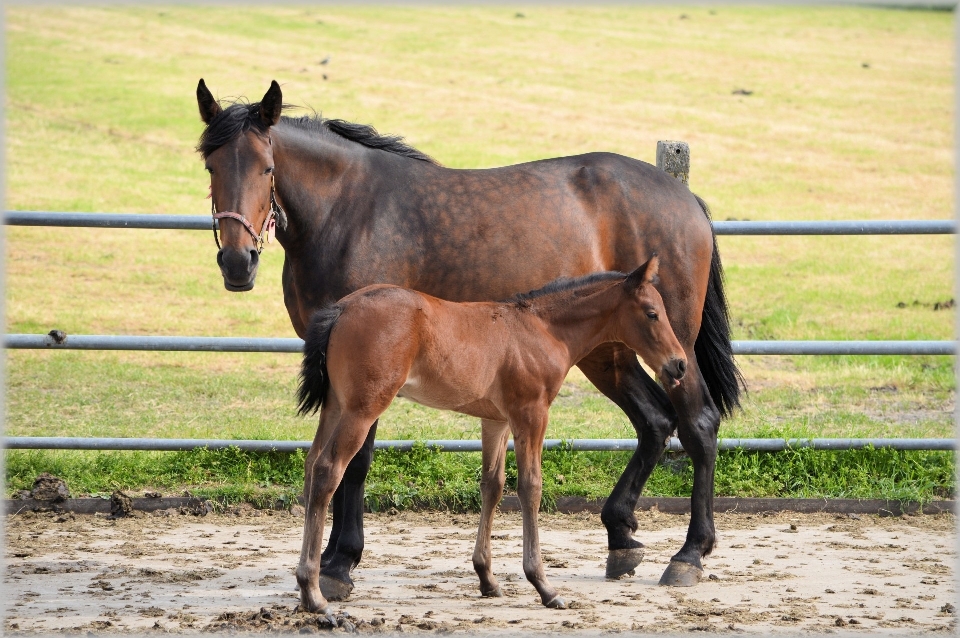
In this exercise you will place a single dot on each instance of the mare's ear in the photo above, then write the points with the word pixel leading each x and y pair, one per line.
pixel 209 108
pixel 645 274
pixel 271 104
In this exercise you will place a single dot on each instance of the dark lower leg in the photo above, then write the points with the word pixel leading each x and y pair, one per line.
pixel 617 374
pixel 617 514
pixel 701 444
pixel 335 527
pixel 699 423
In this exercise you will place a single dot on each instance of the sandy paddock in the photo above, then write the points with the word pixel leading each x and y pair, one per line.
pixel 780 573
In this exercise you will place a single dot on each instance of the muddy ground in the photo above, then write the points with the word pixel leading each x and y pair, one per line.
pixel 233 571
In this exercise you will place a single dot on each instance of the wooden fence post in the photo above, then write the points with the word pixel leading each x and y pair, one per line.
pixel 674 158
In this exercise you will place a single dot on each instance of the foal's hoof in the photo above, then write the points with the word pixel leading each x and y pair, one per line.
pixel 680 574
pixel 333 589
pixel 496 592
pixel 621 562
pixel 555 603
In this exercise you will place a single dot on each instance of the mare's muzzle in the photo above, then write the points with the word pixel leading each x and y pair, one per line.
pixel 673 370
pixel 238 267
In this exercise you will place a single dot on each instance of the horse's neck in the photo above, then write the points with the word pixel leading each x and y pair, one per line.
pixel 583 323
pixel 309 168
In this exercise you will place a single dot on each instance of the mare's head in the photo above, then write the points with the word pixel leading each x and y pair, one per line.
pixel 238 154
pixel 644 327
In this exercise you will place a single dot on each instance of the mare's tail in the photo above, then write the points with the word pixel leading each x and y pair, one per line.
pixel 713 348
pixel 314 380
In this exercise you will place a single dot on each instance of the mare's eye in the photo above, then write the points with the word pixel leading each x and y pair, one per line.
pixel 268 171
pixel 653 315
pixel 209 170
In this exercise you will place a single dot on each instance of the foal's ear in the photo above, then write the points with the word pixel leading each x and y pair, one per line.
pixel 209 108
pixel 645 274
pixel 271 104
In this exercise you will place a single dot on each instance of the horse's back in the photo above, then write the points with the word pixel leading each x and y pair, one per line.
pixel 566 216
pixel 486 234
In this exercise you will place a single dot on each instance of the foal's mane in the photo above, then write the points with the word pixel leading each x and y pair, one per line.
pixel 577 286
pixel 241 117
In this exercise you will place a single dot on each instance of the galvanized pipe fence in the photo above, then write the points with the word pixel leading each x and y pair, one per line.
pixel 59 340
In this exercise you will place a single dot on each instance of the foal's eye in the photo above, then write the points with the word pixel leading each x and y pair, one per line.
pixel 653 315
pixel 209 170
pixel 268 171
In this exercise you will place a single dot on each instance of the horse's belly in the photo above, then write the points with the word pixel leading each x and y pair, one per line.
pixel 442 397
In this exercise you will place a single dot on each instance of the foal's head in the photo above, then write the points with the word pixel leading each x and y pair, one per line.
pixel 643 325
pixel 238 154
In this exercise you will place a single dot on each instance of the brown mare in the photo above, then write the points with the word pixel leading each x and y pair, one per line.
pixel 501 362
pixel 362 208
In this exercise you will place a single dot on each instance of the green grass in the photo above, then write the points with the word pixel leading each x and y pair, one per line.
pixel 851 117
pixel 426 477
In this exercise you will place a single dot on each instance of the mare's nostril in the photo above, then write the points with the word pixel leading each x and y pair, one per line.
pixel 254 259
pixel 220 258
pixel 681 368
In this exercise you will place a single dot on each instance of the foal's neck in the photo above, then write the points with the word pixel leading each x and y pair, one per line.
pixel 582 323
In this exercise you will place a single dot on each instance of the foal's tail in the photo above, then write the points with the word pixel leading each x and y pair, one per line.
pixel 713 348
pixel 314 380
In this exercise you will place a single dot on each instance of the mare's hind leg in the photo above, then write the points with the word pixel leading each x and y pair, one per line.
pixel 615 371
pixel 494 435
pixel 345 546
pixel 697 428
pixel 324 475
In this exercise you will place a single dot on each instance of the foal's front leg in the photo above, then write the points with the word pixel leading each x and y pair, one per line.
pixel 528 433
pixel 494 435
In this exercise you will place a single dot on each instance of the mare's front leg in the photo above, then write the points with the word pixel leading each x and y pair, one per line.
pixel 345 546
pixel 494 435
pixel 697 429
pixel 529 428
pixel 615 371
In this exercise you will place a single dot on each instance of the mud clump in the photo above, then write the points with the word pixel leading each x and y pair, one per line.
pixel 50 488
pixel 284 619
pixel 120 505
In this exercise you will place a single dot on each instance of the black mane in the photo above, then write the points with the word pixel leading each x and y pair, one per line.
pixel 565 284
pixel 241 117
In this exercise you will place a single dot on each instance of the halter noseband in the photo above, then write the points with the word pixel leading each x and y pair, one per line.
pixel 276 214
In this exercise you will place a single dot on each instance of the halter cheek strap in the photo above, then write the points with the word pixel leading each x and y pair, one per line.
pixel 269 224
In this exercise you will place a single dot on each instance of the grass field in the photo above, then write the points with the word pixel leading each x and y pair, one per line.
pixel 849 117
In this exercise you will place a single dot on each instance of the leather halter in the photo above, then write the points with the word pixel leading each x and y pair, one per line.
pixel 276 214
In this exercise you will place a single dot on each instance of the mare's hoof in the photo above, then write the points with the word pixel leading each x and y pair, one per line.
pixel 621 562
pixel 492 593
pixel 333 589
pixel 555 603
pixel 680 574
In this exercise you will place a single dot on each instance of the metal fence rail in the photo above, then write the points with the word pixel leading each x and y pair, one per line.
pixel 294 345
pixel 203 222
pixel 59 340
pixel 457 445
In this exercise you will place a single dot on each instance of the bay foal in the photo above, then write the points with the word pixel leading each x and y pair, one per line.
pixel 501 361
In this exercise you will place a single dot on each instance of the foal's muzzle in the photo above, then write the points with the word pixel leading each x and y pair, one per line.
pixel 673 371
pixel 238 267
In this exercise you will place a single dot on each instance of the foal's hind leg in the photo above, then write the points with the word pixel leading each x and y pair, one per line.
pixel 492 478
pixel 323 476
pixel 346 536
pixel 615 371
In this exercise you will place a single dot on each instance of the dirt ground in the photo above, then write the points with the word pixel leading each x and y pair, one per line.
pixel 233 571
